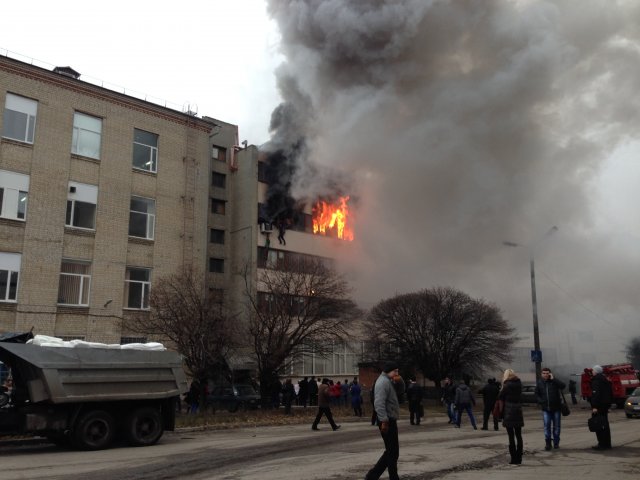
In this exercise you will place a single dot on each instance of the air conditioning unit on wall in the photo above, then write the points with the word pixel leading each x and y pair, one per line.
pixel 266 227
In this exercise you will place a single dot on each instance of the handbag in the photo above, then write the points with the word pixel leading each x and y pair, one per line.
pixel 596 423
pixel 498 409
pixel 564 408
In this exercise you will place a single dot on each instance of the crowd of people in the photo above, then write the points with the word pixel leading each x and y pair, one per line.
pixel 306 392
pixel 502 401
pixel 501 404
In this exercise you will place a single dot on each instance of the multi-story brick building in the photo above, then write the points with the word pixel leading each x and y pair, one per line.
pixel 100 193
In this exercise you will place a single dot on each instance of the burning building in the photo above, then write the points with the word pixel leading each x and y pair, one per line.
pixel 272 230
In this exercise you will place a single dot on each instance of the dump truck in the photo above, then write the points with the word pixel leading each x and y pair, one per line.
pixel 88 397
pixel 623 377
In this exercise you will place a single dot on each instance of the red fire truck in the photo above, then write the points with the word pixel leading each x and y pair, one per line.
pixel 623 378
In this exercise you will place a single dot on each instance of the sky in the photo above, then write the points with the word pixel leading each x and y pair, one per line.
pixel 216 55
pixel 454 125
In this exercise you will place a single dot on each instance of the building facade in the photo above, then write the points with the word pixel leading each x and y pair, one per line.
pixel 256 248
pixel 101 193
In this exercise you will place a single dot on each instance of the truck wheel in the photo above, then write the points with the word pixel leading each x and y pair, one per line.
pixel 233 407
pixel 144 426
pixel 94 430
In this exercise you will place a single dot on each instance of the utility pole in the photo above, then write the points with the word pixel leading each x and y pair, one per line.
pixel 536 353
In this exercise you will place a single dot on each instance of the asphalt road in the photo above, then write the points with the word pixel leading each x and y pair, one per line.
pixel 434 450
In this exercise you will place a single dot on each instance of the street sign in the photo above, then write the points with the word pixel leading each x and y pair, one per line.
pixel 536 356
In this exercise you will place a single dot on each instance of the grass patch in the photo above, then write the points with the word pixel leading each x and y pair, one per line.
pixel 221 419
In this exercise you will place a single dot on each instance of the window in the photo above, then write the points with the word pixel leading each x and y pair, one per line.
pixel 14 188
pixel 217 236
pixel 75 282
pixel 9 276
pixel 218 206
pixel 145 150
pixel 137 283
pixel 142 217
pixel 218 180
pixel 219 154
pixel 291 261
pixel 266 302
pixel 81 206
pixel 216 265
pixel 86 135
pixel 275 259
pixel 19 121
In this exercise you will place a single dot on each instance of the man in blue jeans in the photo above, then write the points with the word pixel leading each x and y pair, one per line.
pixel 549 398
pixel 388 410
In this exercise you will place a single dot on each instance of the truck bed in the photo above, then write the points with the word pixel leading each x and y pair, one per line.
pixel 65 375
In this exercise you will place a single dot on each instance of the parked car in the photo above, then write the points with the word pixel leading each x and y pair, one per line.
pixel 632 404
pixel 233 397
pixel 528 394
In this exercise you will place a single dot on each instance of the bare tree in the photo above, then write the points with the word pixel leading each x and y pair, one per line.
pixel 296 312
pixel 440 331
pixel 195 322
pixel 633 352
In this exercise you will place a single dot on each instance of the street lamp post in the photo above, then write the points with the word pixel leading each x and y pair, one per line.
pixel 536 355
pixel 536 330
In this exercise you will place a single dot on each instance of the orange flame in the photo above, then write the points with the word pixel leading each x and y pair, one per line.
pixel 332 219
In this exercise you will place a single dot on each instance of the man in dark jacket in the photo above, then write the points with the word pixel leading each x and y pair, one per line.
pixel 303 392
pixel 489 396
pixel 548 395
pixel 414 396
pixel 313 392
pixel 572 391
pixel 324 406
pixel 601 398
pixel 447 398
pixel 465 401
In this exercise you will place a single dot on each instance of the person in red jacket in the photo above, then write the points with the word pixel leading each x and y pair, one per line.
pixel 335 391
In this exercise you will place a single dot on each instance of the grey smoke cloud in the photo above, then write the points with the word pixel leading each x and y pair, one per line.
pixel 465 123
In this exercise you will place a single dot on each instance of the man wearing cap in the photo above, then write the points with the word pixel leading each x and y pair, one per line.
pixel 601 399
pixel 388 410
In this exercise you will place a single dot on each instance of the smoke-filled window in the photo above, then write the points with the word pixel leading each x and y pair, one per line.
pixel 302 222
pixel 262 172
